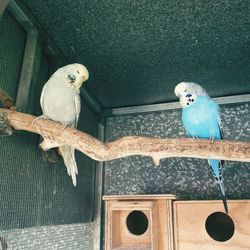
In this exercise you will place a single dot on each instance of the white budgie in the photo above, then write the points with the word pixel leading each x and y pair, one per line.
pixel 60 101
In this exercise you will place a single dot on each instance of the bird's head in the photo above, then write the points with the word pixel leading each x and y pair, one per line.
pixel 76 74
pixel 187 92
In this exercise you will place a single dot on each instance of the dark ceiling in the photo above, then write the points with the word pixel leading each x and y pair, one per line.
pixel 137 50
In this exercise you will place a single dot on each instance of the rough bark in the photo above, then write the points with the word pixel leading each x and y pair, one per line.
pixel 157 148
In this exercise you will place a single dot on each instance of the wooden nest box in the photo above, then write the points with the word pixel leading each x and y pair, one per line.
pixel 161 222
pixel 140 222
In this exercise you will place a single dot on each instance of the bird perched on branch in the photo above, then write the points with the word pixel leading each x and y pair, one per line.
pixel 60 101
pixel 201 119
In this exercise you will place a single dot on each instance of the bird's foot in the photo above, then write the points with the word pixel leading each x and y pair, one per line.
pixel 212 139
pixel 195 137
pixel 64 125
pixel 39 118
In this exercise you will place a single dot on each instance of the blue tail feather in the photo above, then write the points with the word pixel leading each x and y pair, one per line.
pixel 216 169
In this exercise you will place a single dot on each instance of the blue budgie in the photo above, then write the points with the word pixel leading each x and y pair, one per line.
pixel 201 119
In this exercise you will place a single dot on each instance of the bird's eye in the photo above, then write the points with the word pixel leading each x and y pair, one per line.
pixel 71 77
pixel 185 90
pixel 78 72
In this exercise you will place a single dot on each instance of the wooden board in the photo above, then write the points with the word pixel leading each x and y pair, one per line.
pixel 159 211
pixel 189 225
pixel 119 231
pixel 144 197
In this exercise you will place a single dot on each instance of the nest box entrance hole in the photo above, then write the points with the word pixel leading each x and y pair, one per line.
pixel 131 228
pixel 137 222
pixel 220 226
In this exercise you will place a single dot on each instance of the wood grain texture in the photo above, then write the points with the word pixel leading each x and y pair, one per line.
pixel 159 212
pixel 138 197
pixel 157 148
pixel 189 225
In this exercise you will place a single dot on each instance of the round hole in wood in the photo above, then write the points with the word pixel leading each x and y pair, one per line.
pixel 220 226
pixel 137 222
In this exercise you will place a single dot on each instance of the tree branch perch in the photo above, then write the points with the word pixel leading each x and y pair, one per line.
pixel 157 148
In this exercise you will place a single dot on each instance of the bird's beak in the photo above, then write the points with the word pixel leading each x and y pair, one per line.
pixel 84 78
pixel 182 102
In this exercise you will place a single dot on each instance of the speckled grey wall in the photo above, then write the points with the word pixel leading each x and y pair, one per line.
pixel 70 237
pixel 187 178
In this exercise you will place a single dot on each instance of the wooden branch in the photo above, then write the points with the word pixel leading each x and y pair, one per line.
pixel 157 148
